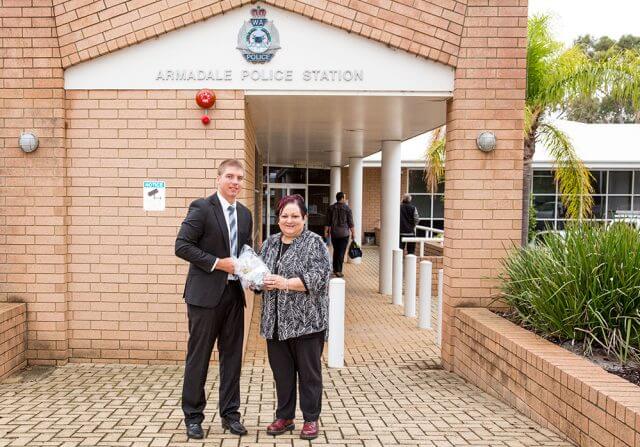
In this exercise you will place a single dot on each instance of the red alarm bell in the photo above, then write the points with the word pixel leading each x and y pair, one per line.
pixel 205 98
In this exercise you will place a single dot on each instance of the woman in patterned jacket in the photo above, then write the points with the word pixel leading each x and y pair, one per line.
pixel 295 307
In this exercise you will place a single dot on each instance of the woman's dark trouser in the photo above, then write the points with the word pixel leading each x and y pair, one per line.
pixel 297 358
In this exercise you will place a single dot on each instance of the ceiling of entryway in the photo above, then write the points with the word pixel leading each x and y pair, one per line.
pixel 328 129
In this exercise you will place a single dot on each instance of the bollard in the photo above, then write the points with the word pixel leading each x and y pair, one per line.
pixel 410 286
pixel 396 278
pixel 424 312
pixel 336 323
pixel 440 285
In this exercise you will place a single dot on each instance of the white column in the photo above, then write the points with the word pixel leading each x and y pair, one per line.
pixel 396 286
pixel 336 182
pixel 410 286
pixel 389 211
pixel 424 312
pixel 336 323
pixel 355 199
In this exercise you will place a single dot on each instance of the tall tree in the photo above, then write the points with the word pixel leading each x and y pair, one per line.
pixel 603 108
pixel 554 75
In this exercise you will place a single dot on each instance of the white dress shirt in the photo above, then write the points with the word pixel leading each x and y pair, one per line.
pixel 225 205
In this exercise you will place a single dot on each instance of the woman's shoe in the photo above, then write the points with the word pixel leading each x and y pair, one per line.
pixel 309 430
pixel 280 426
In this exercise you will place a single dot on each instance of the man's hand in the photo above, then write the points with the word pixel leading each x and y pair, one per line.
pixel 226 265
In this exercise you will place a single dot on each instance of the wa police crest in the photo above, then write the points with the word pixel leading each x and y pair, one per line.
pixel 258 39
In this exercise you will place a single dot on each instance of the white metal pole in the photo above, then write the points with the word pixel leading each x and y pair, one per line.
pixel 355 199
pixel 336 323
pixel 396 295
pixel 389 211
pixel 336 182
pixel 440 285
pixel 424 311
pixel 410 286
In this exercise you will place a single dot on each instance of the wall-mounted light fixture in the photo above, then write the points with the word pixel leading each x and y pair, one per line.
pixel 28 141
pixel 486 141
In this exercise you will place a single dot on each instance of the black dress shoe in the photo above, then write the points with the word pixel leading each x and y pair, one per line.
pixel 194 431
pixel 234 427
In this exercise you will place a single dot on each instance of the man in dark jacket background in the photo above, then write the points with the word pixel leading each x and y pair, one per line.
pixel 409 218
pixel 339 227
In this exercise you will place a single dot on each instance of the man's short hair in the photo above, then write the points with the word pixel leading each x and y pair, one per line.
pixel 406 198
pixel 339 196
pixel 228 163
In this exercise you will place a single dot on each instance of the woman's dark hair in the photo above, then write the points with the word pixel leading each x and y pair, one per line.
pixel 294 198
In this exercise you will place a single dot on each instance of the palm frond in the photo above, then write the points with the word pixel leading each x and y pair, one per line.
pixel 573 177
pixel 434 157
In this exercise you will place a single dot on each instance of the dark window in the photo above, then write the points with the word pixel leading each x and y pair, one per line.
pixel 438 206
pixel 620 182
pixel 287 175
pixel 618 203
pixel 416 181
pixel 543 182
pixel 319 176
pixel 423 203
pixel 599 182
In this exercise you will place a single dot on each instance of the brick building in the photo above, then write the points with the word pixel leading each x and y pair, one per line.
pixel 108 87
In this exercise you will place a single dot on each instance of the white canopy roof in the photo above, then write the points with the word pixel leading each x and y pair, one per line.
pixel 599 146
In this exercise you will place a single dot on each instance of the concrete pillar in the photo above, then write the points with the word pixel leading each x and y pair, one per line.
pixel 336 182
pixel 389 211
pixel 355 199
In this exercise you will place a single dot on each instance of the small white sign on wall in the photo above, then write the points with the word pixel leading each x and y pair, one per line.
pixel 154 193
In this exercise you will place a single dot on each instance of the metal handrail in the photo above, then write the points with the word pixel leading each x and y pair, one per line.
pixel 428 238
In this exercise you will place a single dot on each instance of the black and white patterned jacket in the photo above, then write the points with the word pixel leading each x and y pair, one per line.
pixel 299 313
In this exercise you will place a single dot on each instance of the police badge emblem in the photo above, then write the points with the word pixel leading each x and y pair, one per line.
pixel 258 39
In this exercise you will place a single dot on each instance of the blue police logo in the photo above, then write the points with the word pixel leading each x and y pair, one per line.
pixel 258 39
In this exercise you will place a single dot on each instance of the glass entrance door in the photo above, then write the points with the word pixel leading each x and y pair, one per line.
pixel 274 194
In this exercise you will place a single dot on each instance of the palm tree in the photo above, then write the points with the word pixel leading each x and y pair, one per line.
pixel 554 75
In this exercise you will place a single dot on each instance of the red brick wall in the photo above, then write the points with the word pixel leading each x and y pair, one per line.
pixel 483 190
pixel 545 382
pixel 13 338
pixel 125 301
pixel 90 28
pixel 57 202
pixel 33 232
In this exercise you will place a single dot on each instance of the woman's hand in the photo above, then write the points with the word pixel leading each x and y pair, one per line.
pixel 273 282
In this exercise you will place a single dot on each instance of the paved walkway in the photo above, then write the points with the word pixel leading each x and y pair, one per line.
pixel 391 392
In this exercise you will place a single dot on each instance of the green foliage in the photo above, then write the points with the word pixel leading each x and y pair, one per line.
pixel 605 107
pixel 583 285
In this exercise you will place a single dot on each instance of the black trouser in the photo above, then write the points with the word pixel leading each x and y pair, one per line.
pixel 339 249
pixel 297 358
pixel 225 322
pixel 411 246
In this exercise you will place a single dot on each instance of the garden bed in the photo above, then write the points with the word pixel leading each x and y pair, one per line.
pixel 547 383
pixel 598 356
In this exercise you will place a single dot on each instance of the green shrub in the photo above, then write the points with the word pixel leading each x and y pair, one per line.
pixel 583 285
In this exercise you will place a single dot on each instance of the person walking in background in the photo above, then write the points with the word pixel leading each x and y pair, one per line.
pixel 409 218
pixel 295 307
pixel 339 227
pixel 214 231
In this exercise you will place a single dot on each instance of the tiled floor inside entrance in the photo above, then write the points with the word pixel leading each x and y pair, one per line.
pixel 390 392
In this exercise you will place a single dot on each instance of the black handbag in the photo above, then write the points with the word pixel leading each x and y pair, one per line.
pixel 354 250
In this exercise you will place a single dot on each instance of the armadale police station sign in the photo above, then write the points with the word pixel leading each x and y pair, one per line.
pixel 262 48
pixel 258 41
pixel 257 75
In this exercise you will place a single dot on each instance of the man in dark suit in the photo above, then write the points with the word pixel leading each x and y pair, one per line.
pixel 214 231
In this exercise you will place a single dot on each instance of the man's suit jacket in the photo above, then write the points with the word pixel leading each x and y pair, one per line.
pixel 203 238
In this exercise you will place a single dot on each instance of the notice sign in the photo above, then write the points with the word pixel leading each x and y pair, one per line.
pixel 154 196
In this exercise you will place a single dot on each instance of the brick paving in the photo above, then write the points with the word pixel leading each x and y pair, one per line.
pixel 391 392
